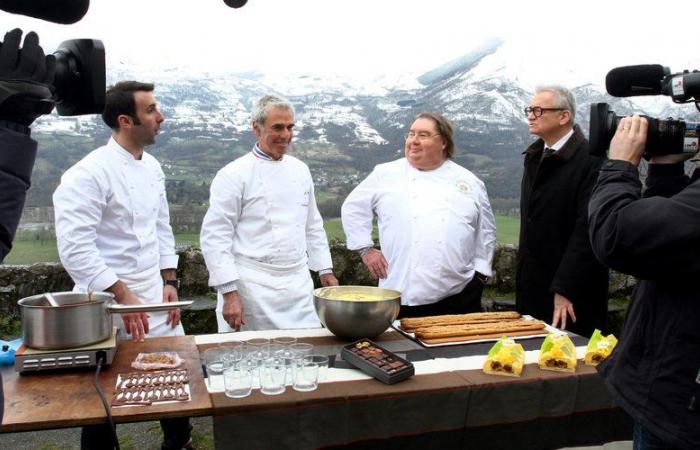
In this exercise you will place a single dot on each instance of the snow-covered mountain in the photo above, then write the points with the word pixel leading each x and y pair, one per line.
pixel 356 123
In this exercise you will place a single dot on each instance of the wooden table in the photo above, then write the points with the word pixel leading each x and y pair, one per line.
pixel 445 409
pixel 40 400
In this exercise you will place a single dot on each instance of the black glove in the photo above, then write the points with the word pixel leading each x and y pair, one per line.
pixel 26 77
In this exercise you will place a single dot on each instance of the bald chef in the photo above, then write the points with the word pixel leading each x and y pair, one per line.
pixel 263 232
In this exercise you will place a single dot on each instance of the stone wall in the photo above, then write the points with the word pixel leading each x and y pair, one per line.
pixel 21 281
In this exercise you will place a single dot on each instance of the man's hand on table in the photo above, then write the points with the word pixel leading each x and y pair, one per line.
pixel 328 279
pixel 376 263
pixel 233 310
pixel 562 308
pixel 135 324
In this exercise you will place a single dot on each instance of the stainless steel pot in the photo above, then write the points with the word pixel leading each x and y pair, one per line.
pixel 363 312
pixel 77 321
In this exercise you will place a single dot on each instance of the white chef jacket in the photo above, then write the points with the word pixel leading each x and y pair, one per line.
pixel 112 220
pixel 436 227
pixel 264 210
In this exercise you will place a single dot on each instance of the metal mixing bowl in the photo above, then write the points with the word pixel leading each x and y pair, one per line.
pixel 357 319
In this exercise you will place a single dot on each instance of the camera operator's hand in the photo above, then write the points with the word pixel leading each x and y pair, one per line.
pixel 630 140
pixel 26 76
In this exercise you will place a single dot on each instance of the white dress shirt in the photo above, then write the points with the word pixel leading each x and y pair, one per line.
pixel 263 210
pixel 560 143
pixel 436 227
pixel 112 218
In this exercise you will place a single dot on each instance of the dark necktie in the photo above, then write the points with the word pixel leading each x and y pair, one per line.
pixel 547 152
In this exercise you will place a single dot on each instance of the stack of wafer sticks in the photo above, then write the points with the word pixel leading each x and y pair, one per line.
pixel 468 327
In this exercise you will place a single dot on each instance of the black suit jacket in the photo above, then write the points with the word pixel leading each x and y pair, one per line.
pixel 555 254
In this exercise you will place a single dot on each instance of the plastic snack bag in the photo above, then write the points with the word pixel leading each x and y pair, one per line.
pixel 505 358
pixel 157 360
pixel 599 348
pixel 558 353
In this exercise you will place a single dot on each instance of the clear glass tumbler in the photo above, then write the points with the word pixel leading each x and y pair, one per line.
pixel 306 376
pixel 272 376
pixel 238 381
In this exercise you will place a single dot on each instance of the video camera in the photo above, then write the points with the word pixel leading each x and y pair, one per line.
pixel 80 77
pixel 78 86
pixel 664 137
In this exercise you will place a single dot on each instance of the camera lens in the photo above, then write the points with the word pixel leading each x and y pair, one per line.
pixel 80 77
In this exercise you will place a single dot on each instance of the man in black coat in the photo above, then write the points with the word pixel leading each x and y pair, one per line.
pixel 654 372
pixel 558 278
pixel 25 76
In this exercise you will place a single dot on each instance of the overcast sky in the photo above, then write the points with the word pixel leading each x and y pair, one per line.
pixel 394 37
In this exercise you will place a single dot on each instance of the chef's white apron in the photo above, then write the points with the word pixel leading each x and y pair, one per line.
pixel 274 297
pixel 148 287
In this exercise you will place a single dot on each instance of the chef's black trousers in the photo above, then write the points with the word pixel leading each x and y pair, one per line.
pixel 176 433
pixel 467 301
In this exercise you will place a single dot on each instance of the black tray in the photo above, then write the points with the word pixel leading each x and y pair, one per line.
pixel 377 361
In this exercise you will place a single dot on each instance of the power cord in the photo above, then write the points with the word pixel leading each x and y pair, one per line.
pixel 101 358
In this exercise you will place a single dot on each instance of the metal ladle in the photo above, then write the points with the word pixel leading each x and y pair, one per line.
pixel 52 301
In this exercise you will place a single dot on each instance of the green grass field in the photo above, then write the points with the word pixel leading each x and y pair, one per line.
pixel 507 229
pixel 32 251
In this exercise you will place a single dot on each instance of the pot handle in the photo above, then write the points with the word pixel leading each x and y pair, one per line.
pixel 115 308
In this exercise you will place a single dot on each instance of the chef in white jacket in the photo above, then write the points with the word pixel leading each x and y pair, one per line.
pixel 113 230
pixel 263 232
pixel 436 228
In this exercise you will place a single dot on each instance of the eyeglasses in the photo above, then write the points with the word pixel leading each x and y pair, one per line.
pixel 422 135
pixel 537 111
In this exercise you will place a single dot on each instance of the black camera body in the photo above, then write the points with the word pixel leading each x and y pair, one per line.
pixel 664 137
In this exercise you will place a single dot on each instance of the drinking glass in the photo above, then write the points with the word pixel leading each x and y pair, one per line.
pixel 232 353
pixel 213 361
pixel 272 376
pixel 301 349
pixel 298 351
pixel 238 381
pixel 322 362
pixel 258 348
pixel 306 376
pixel 286 341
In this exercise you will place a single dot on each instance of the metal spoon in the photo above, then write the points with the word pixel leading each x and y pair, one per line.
pixel 52 301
